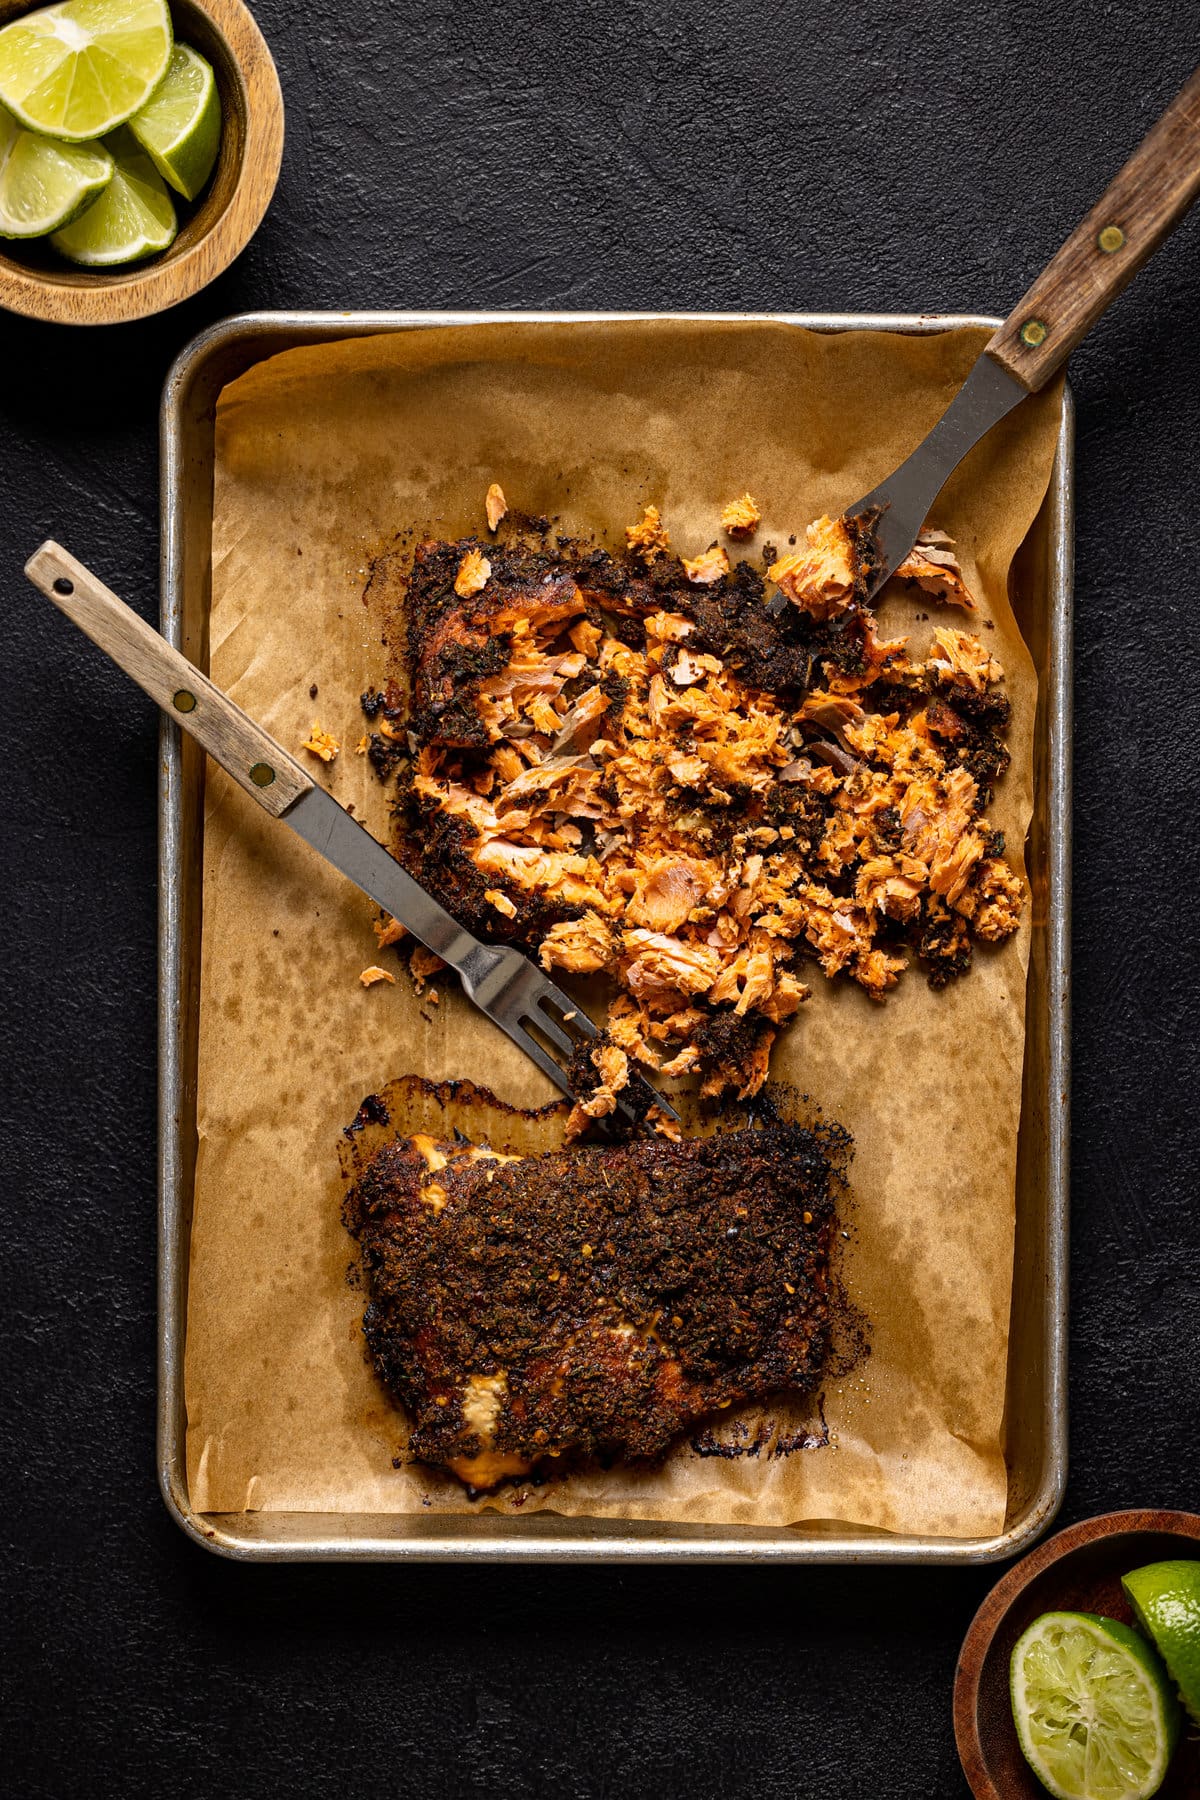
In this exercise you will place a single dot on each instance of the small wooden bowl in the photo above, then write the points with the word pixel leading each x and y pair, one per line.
pixel 37 282
pixel 1078 1570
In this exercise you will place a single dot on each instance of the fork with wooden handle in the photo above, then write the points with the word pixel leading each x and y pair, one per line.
pixel 1140 208
pixel 529 1008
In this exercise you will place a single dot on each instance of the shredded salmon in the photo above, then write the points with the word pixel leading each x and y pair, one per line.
pixel 637 807
pixel 932 564
pixel 388 931
pixel 370 976
pixel 819 580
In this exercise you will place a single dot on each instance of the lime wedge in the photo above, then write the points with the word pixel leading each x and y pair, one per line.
pixel 77 70
pixel 134 216
pixel 1093 1708
pixel 44 185
pixel 1165 1598
pixel 179 128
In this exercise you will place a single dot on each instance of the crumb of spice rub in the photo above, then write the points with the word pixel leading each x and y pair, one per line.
pixel 695 796
pixel 321 743
pixel 374 974
pixel 495 505
pixel 533 1313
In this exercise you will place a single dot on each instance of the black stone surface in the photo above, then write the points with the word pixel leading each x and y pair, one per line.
pixel 898 154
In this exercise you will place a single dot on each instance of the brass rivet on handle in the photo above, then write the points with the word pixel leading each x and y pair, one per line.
pixel 262 774
pixel 1033 333
pixel 1110 239
pixel 183 701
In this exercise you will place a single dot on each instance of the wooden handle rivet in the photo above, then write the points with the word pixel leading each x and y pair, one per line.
pixel 182 701
pixel 1033 333
pixel 1110 239
pixel 63 586
pixel 262 774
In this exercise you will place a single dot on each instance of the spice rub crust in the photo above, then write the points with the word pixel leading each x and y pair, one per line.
pixel 535 1313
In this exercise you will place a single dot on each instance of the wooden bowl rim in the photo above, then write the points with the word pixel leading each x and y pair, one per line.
pixel 41 295
pixel 997 1604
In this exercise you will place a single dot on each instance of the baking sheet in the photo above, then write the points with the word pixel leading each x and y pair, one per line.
pixel 322 455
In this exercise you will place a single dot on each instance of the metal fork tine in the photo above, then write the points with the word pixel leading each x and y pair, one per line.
pixel 556 998
pixel 542 1058
pixel 559 1037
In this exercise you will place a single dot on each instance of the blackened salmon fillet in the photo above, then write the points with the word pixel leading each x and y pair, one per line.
pixel 592 1303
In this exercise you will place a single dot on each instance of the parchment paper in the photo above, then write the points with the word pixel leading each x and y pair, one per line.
pixel 324 455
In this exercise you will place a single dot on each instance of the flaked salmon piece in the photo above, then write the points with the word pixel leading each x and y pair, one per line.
pixel 746 981
pixel 993 901
pixel 710 566
pixel 422 964
pixel 688 669
pixel 495 505
pixel 963 662
pixel 613 1066
pixel 388 931
pixel 578 945
pixel 891 885
pixel 667 894
pixel 876 971
pixel 660 966
pixel 649 537
pixel 786 997
pixel 820 580
pixel 585 637
pixel 687 770
pixel 507 763
pixel 474 573
pixel 950 870
pixel 932 564
pixel 741 518
pixel 629 1026
pixel 501 902
pixel 935 812
pixel 684 1062
pixel 321 743
pixel 544 777
pixel 832 928
pixel 666 628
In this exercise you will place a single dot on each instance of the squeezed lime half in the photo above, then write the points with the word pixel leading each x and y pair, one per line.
pixel 1093 1708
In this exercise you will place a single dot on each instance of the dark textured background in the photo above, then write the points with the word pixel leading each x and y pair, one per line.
pixel 910 155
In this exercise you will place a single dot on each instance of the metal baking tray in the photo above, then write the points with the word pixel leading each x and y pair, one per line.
pixel 1035 1413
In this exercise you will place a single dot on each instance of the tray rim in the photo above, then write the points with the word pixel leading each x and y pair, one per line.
pixel 547 1537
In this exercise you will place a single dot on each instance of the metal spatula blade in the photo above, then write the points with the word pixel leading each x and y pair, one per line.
pixel 527 1006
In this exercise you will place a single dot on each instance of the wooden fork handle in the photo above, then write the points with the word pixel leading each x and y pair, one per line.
pixel 247 752
pixel 1142 206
